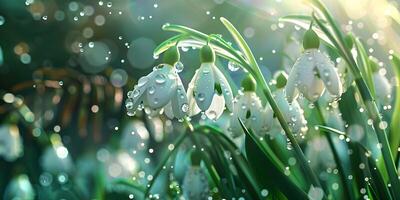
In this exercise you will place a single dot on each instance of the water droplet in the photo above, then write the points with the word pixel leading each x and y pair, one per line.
pixel 179 67
pixel 160 78
pixel 109 4
pixel 91 44
pixel 142 81
pixel 129 94
pixel 151 90
pixel 212 115
pixel 203 116
pixel 129 104
pixel 232 66
pixel 383 125
pixel 185 107
pixel 201 97
pixel 136 93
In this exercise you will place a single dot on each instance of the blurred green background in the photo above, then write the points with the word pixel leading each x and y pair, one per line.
pixel 66 66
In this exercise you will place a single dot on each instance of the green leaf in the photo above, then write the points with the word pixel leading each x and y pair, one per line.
pixel 186 42
pixel 268 172
pixel 163 161
pixel 395 125
pixel 363 62
pixel 304 22
pixel 198 39
pixel 240 42
pixel 247 176
pixel 362 155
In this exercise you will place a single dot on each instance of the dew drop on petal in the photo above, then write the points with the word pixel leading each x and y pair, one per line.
pixel 201 96
pixel 142 81
pixel 185 107
pixel 179 67
pixel 232 66
pixel 160 78
pixel 151 90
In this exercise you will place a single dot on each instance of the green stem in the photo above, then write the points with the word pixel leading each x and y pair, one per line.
pixel 303 161
pixel 371 107
pixel 348 188
pixel 160 167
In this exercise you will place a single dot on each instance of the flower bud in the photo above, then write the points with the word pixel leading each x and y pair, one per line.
pixel 171 56
pixel 207 54
pixel 249 84
pixel 281 79
pixel 310 40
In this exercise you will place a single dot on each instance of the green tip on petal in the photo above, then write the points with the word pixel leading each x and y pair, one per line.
pixel 207 54
pixel 195 157
pixel 248 83
pixel 171 56
pixel 281 79
pixel 373 63
pixel 310 40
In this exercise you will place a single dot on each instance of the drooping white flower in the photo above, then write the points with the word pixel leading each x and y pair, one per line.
pixel 383 88
pixel 248 108
pixel 160 90
pixel 209 91
pixel 195 184
pixel 10 142
pixel 292 112
pixel 312 73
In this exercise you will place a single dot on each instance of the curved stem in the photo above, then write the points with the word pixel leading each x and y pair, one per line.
pixel 348 188
pixel 160 167
pixel 303 161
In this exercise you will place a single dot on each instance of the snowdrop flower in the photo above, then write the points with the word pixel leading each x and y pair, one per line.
pixel 10 142
pixel 195 184
pixel 383 88
pixel 312 72
pixel 209 90
pixel 248 108
pixel 292 112
pixel 160 90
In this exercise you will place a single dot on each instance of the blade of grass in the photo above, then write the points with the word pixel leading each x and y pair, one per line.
pixel 377 178
pixel 258 155
pixel 395 125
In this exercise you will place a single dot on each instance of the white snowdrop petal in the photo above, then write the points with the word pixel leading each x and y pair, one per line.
pixel 168 111
pixel 193 108
pixel 179 101
pixel 291 90
pixel 204 86
pixel 307 82
pixel 225 87
pixel 161 87
pixel 291 112
pixel 216 108
pixel 328 74
pixel 383 89
pixel 136 96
